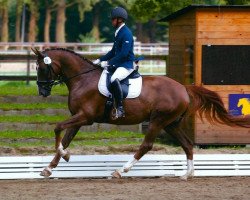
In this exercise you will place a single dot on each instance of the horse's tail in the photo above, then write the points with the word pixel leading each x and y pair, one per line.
pixel 209 104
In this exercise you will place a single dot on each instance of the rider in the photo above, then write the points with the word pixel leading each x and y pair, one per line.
pixel 120 57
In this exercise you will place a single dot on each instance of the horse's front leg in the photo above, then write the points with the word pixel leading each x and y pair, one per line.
pixel 72 125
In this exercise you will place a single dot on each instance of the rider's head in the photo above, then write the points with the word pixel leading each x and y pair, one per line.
pixel 118 16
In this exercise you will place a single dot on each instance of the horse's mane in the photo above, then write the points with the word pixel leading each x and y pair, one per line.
pixel 72 52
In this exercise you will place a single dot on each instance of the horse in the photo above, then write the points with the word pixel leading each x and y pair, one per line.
pixel 163 102
pixel 245 103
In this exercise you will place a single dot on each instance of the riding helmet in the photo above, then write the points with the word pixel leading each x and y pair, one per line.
pixel 119 12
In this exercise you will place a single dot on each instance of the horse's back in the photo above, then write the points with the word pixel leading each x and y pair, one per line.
pixel 163 89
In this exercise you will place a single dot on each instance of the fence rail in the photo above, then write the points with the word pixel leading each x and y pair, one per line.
pixel 101 166
pixel 89 48
pixel 28 57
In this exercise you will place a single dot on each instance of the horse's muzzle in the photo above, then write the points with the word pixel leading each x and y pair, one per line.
pixel 44 88
pixel 43 92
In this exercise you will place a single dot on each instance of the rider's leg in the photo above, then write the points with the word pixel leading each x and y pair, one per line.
pixel 120 74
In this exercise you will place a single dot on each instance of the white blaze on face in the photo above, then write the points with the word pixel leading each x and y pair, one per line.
pixel 47 60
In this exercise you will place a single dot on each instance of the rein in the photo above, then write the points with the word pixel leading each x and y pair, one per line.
pixel 63 80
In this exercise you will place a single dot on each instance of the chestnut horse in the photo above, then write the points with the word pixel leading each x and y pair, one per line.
pixel 163 102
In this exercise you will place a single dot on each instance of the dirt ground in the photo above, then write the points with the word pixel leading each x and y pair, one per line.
pixel 116 149
pixel 229 188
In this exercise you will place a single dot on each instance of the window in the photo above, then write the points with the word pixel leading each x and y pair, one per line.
pixel 226 64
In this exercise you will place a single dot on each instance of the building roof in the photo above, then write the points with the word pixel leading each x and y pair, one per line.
pixel 193 7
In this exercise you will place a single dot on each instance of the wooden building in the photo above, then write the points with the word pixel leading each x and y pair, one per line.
pixel 210 46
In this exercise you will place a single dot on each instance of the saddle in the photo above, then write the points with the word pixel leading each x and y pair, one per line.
pixel 124 83
pixel 133 78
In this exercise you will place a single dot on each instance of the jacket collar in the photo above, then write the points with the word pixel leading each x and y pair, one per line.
pixel 119 28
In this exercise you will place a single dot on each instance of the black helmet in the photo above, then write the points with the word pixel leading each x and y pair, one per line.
pixel 119 12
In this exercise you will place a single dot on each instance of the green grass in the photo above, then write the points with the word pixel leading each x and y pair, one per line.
pixel 28 138
pixel 26 134
pixel 11 88
pixel 33 118
pixel 31 106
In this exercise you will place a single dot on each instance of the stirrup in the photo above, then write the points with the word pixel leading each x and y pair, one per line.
pixel 115 114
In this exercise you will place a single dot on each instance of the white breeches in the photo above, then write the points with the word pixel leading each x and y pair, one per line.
pixel 121 73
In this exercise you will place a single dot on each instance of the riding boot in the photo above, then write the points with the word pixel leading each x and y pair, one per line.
pixel 118 95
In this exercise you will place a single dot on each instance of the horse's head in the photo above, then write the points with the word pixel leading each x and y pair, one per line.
pixel 46 72
pixel 242 102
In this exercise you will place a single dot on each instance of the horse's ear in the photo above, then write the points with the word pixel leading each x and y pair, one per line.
pixel 37 52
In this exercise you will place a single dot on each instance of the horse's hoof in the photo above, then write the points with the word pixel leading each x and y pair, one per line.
pixel 184 178
pixel 66 157
pixel 46 172
pixel 116 174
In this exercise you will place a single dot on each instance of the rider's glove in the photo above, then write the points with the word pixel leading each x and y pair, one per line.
pixel 96 62
pixel 104 64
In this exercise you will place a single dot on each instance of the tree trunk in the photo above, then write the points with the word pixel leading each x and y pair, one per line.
pixel 47 25
pixel 33 21
pixel 139 33
pixel 151 33
pixel 5 21
pixel 95 30
pixel 60 22
pixel 19 7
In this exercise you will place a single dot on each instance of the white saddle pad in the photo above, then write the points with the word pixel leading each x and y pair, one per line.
pixel 134 90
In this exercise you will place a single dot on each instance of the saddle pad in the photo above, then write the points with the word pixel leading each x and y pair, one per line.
pixel 134 90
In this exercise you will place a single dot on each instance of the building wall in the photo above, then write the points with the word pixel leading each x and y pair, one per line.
pixel 221 27
pixel 181 36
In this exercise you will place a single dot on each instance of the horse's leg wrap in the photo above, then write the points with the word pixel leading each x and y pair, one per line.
pixel 63 153
pixel 61 150
pixel 125 168
pixel 190 170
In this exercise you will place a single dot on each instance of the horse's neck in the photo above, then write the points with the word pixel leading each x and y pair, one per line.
pixel 80 73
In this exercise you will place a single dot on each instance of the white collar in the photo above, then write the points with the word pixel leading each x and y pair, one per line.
pixel 119 28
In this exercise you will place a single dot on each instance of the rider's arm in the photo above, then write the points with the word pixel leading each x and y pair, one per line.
pixel 109 55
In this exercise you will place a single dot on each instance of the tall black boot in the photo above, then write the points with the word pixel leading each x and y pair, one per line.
pixel 118 95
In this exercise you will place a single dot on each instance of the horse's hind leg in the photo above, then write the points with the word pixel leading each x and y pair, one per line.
pixel 61 152
pixel 146 146
pixel 177 132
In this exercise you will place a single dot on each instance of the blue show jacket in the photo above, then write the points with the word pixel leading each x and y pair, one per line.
pixel 121 54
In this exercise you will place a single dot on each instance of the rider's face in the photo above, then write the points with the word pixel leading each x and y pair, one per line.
pixel 114 22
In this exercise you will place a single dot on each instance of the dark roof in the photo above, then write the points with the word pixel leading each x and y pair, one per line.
pixel 192 7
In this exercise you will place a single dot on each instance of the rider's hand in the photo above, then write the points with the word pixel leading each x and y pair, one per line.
pixel 104 64
pixel 96 62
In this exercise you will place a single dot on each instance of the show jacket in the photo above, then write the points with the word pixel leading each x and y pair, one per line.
pixel 121 54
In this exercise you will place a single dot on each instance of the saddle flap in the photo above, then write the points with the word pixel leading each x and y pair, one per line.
pixel 131 86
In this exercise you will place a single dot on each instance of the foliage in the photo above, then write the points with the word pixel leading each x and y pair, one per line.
pixel 88 38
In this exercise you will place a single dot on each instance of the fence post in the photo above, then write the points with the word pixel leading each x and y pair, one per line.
pixel 28 67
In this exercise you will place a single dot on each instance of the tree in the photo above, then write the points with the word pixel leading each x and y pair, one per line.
pixel 19 7
pixel 5 20
pixel 34 14
pixel 95 20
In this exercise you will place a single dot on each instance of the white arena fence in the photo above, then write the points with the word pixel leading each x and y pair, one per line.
pixel 88 48
pixel 101 166
pixel 18 62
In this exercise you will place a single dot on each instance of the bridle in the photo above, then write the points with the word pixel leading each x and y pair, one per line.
pixel 49 83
